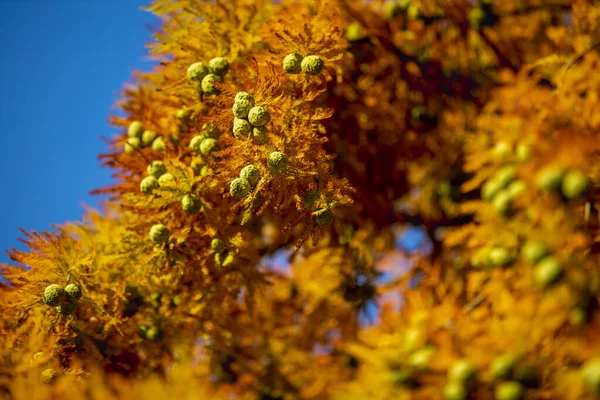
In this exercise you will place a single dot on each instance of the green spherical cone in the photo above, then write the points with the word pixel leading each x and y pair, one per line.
pixel 502 202
pixel 241 108
pixel 244 96
pixel 503 150
pixel 490 189
pixel 258 116
pixel 218 66
pixel 502 367
pixel 191 204
pixel 166 178
pixel 534 250
pixel 148 184
pixel 462 371
pixel 156 169
pixel 208 85
pixel 547 271
pixel 217 245
pixel 159 234
pixel 208 146
pixel 73 292
pixel 277 162
pixel 159 145
pixel 292 63
pixel 259 134
pixel 148 137
pixel 312 65
pixel 241 128
pixel 499 256
pixel 135 129
pixel 251 173
pixel 455 391
pixel 54 295
pixel 550 178
pixel 523 152
pixel 195 143
pixel 132 144
pixel 509 391
pixel 574 184
pixel 239 188
pixel 196 72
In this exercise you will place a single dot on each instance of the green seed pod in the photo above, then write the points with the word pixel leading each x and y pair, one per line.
pixel 501 202
pixel 210 131
pixel 590 372
pixel 135 129
pixel 550 178
pixel 197 165
pixel 183 114
pixel 259 116
pixel 490 189
pixel 259 134
pixel 533 251
pixel 191 204
pixel 523 152
pixel 506 175
pixel 239 188
pixel 208 86
pixel 195 143
pixel 578 316
pixel 48 376
pixel 218 66
pixel 66 308
pixel 251 174
pixel 196 73
pixel 516 189
pixel 159 145
pixel 509 391
pixel 73 292
pixel 166 178
pixel 499 256
pixel 503 151
pixel 148 184
pixel 148 137
pixel 208 145
pixel 547 271
pixel 502 367
pixel 312 65
pixel 224 259
pixel 154 334
pixel 132 144
pixel 54 295
pixel 277 162
pixel 292 63
pixel 455 391
pixel 324 217
pixel 574 184
pixel 310 198
pixel 217 245
pixel 241 128
pixel 241 108
pixel 244 96
pixel 420 358
pixel 159 234
pixel 156 169
pixel 462 371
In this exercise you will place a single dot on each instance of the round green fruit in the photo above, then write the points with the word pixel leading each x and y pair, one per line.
pixel 217 245
pixel 312 65
pixel 135 129
pixel 166 178
pixel 506 175
pixel 502 202
pixel 239 188
pixel 259 116
pixel 54 295
pixel 148 184
pixel 503 150
pixel 208 84
pixel 208 145
pixel 550 178
pixel 148 137
pixel 259 134
pixel 241 128
pixel 277 161
pixel 159 145
pixel 455 391
pixel 523 152
pixel 509 391
pixel 191 204
pixel 251 173
pixel 244 96
pixel 533 251
pixel 218 66
pixel 499 256
pixel 241 108
pixel 547 271
pixel 292 63
pixel 462 371
pixel 159 234
pixel 156 169
pixel 502 367
pixel 73 292
pixel 132 144
pixel 574 184
pixel 196 72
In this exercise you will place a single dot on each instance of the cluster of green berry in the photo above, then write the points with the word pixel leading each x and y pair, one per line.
pixel 572 184
pixel 461 379
pixel 206 142
pixel 323 215
pixel 513 375
pixel 202 77
pixel 223 256
pixel 548 268
pixel 63 298
pixel 503 188
pixel 138 137
pixel 242 186
pixel 157 176
pixel 250 119
pixel 295 63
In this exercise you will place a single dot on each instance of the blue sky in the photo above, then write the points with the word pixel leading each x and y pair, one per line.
pixel 63 64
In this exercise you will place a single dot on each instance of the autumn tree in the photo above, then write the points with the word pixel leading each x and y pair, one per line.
pixel 266 172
